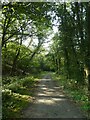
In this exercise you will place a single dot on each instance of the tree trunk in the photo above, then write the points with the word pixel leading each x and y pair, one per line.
pixel 67 63
pixel 88 52
pixel 17 54
pixel 15 61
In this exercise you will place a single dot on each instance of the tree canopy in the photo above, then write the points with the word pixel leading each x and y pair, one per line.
pixel 32 23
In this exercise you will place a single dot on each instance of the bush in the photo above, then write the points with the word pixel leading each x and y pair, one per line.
pixel 16 94
pixel 13 103
pixel 28 81
pixel 6 93
pixel 9 79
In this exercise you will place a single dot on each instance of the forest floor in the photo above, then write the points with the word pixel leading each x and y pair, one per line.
pixel 51 102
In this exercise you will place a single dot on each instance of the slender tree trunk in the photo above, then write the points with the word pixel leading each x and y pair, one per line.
pixel 67 63
pixel 56 64
pixel 17 55
pixel 59 61
pixel 5 27
pixel 88 52
pixel 15 61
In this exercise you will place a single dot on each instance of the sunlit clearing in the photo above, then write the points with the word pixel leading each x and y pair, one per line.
pixel 56 87
pixel 44 88
pixel 45 101
pixel 51 90
pixel 61 95
pixel 41 94
pixel 58 99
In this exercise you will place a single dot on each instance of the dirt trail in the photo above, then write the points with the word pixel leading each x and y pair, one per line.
pixel 50 102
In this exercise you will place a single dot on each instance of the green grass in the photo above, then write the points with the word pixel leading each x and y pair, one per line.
pixel 17 93
pixel 13 103
pixel 77 93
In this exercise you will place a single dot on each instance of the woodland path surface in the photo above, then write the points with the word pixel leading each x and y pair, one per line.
pixel 51 102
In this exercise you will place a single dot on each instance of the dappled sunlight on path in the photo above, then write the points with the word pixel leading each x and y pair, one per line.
pixel 50 102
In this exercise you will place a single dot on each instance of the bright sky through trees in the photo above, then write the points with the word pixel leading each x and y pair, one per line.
pixel 48 41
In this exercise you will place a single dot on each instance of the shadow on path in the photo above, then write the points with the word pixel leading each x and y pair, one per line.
pixel 50 102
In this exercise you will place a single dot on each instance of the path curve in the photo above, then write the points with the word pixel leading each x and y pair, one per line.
pixel 50 102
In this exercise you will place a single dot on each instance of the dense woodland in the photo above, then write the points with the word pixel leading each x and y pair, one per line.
pixel 68 54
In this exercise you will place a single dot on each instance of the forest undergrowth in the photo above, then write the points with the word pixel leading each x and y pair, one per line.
pixel 79 94
pixel 17 94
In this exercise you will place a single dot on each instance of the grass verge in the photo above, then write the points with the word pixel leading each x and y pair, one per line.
pixel 78 94
pixel 17 93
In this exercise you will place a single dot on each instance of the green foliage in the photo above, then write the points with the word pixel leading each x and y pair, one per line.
pixel 21 23
pixel 13 103
pixel 16 94
pixel 28 82
pixel 9 80
pixel 78 94
pixel 69 53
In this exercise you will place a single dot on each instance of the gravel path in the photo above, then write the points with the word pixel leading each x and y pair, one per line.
pixel 50 102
